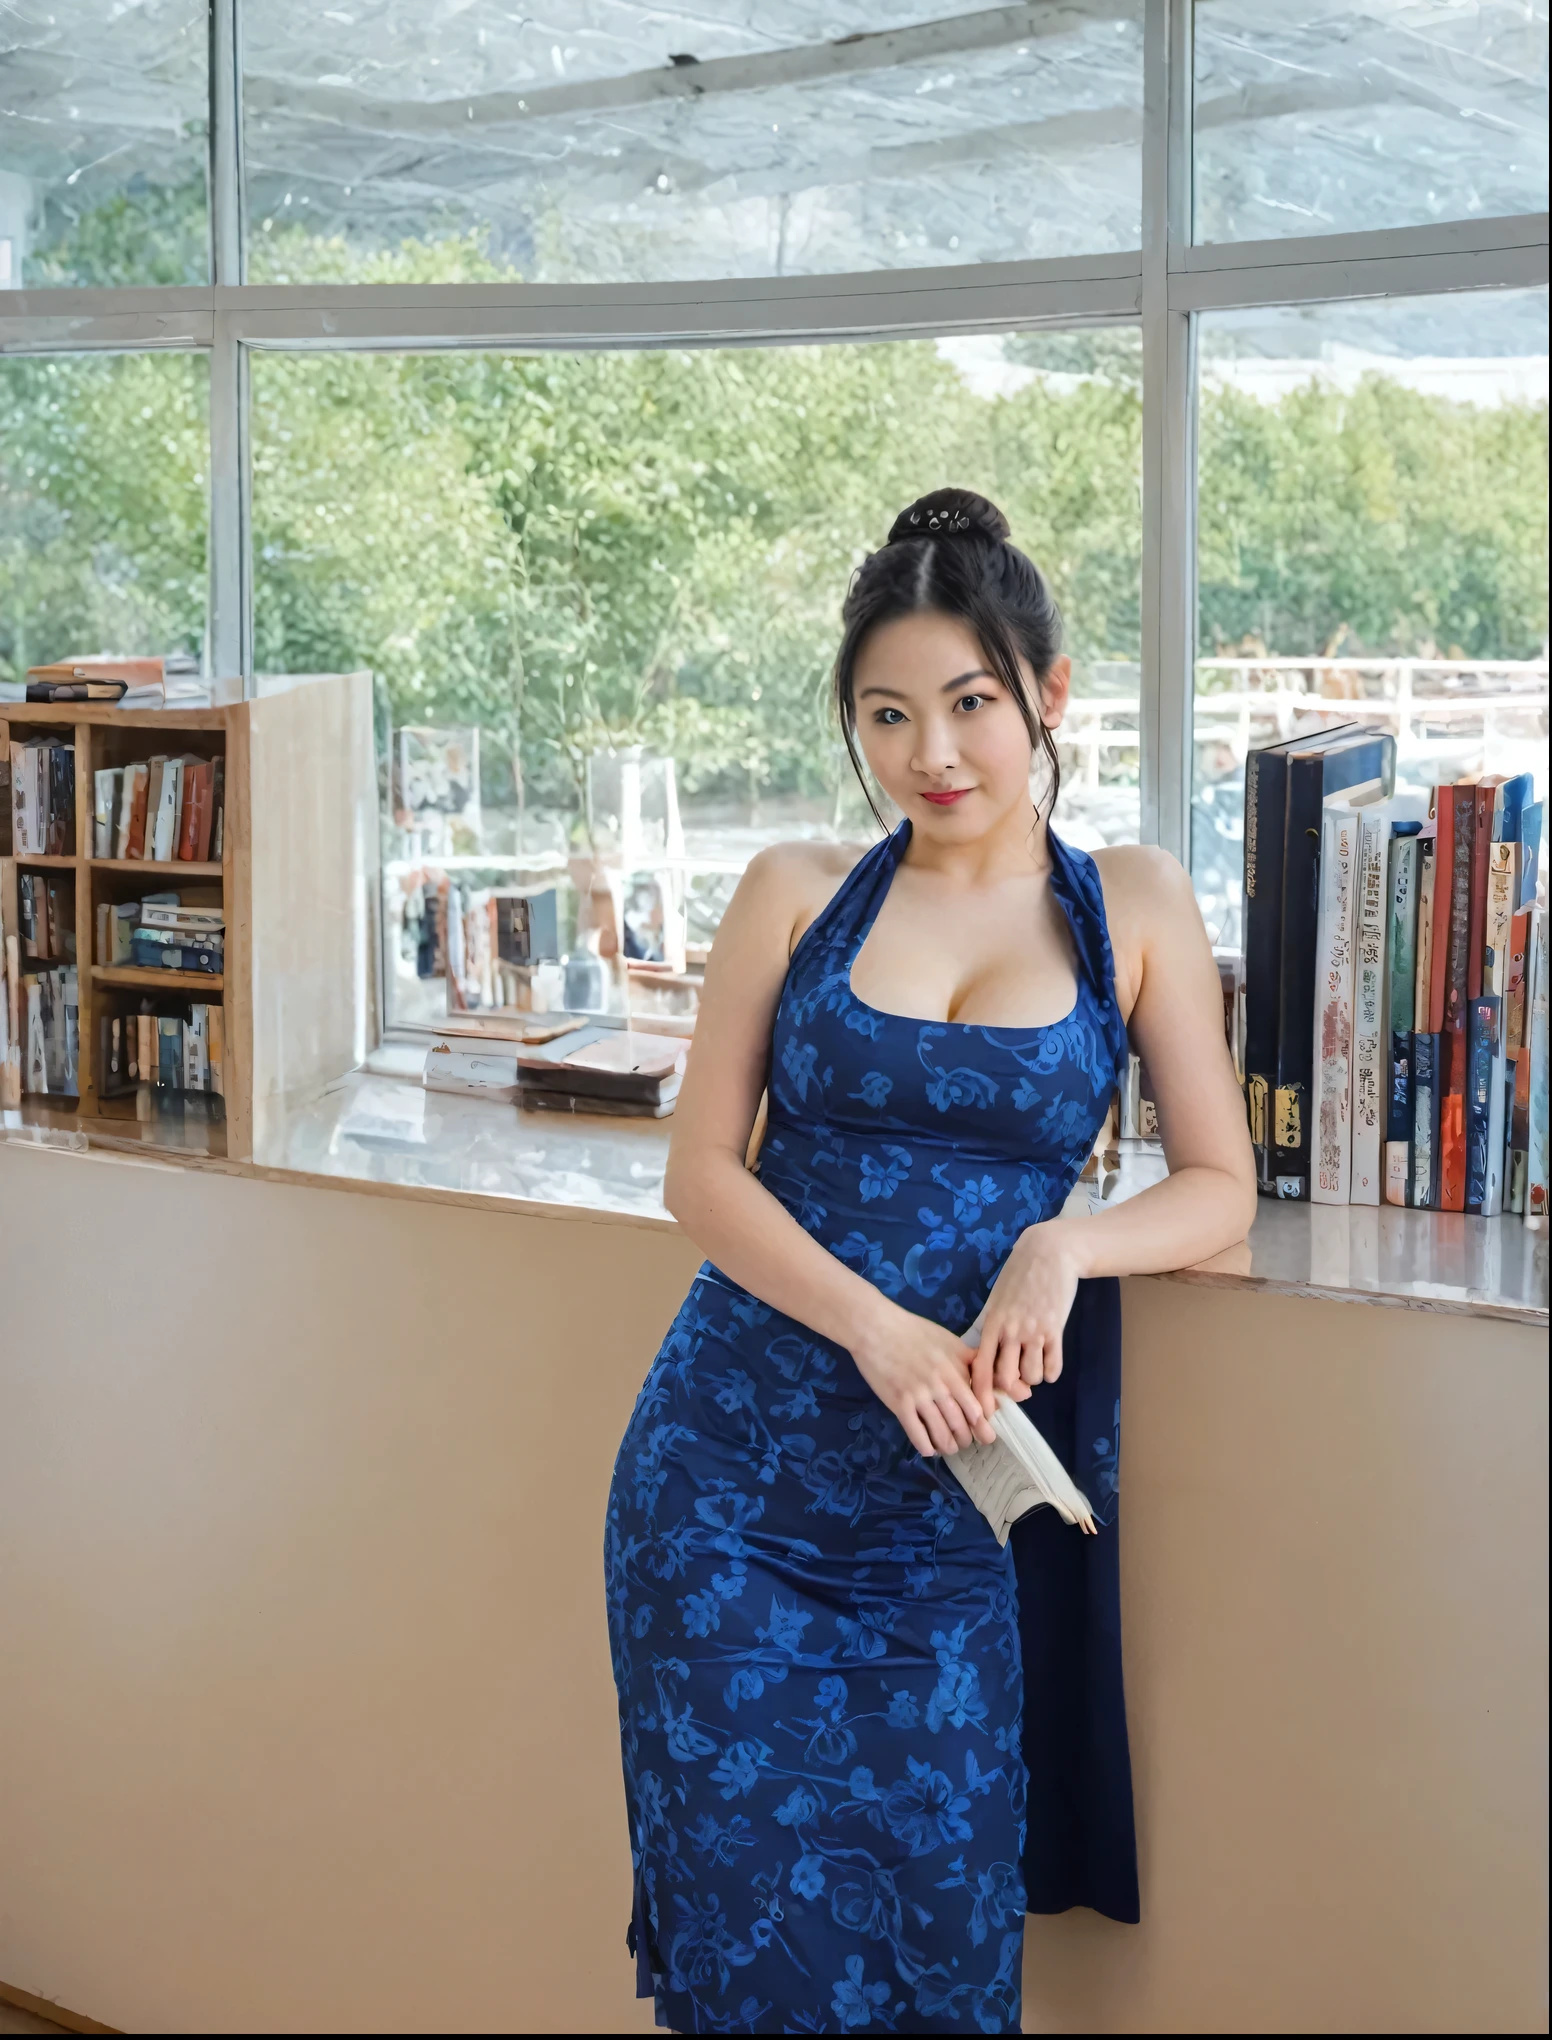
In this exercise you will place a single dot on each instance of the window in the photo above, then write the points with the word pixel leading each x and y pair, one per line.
pixel 583 559
pixel 385 139
pixel 103 144
pixel 103 506
pixel 1372 540
pixel 1316 118
pixel 676 308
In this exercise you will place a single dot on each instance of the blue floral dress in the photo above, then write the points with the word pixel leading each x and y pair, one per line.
pixel 839 1808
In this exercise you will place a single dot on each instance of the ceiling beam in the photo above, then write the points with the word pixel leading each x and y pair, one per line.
pixel 806 64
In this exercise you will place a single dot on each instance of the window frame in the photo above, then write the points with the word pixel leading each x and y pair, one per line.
pixel 1161 286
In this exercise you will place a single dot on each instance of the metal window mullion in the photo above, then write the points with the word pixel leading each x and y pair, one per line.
pixel 226 193
pixel 231 592
pixel 1168 452
pixel 230 634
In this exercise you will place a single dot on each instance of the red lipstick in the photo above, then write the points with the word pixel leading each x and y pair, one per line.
pixel 947 799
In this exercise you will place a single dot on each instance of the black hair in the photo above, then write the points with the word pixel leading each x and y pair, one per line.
pixel 950 552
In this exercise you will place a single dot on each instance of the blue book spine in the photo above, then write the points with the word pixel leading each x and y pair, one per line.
pixel 1479 1077
pixel 1398 1117
pixel 1530 837
pixel 1425 1121
pixel 1516 797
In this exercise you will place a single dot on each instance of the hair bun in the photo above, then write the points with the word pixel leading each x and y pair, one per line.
pixel 949 513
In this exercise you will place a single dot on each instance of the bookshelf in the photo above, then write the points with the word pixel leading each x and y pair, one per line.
pixel 296 881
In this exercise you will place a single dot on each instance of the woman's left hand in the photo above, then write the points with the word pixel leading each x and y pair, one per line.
pixel 1025 1315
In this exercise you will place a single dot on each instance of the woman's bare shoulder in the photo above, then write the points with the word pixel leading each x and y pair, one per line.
pixel 1144 878
pixel 799 879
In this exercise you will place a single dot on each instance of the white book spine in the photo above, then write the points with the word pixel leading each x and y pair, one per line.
pixel 1331 1175
pixel 1371 1063
pixel 167 810
pixel 102 812
pixel 131 778
pixel 1536 1013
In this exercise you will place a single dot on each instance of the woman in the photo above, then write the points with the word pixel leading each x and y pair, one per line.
pixel 821 1650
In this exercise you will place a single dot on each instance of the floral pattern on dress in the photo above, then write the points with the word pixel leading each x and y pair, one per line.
pixel 815 1635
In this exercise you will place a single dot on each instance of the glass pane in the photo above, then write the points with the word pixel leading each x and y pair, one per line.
pixel 103 144
pixel 390 138
pixel 1320 118
pixel 103 460
pixel 566 570
pixel 1372 540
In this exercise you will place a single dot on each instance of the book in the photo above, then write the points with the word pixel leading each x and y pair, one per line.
pixel 625 1066
pixel 1371 1056
pixel 1400 998
pixel 1515 1050
pixel 11 1068
pixel 105 783
pixel 1536 1046
pixel 460 1066
pixel 1018 1474
pixel 1332 1095
pixel 1266 806
pixel 1425 1121
pixel 1530 844
pixel 138 801
pixel 1451 1081
pixel 196 797
pixel 1484 1108
pixel 168 911
pixel 196 1069
pixel 118 674
pixel 209 796
pixel 1362 761
pixel 169 1060
pixel 215 1049
pixel 161 949
pixel 1487 816
pixel 60 834
pixel 161 836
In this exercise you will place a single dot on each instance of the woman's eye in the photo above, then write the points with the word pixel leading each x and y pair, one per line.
pixel 889 717
pixel 971 701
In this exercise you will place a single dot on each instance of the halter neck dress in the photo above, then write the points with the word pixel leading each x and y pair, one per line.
pixel 861 1738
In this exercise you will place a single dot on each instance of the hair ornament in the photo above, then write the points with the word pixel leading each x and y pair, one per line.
pixel 942 522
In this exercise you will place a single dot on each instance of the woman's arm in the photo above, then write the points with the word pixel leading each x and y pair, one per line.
pixel 1168 985
pixel 919 1370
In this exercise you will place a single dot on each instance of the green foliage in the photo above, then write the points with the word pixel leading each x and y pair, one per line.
pixel 102 505
pixel 1384 520
pixel 149 232
pixel 574 550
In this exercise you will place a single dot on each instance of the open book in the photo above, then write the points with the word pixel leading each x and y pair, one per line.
pixel 1019 1473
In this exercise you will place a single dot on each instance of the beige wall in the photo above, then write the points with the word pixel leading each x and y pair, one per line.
pixel 305 1717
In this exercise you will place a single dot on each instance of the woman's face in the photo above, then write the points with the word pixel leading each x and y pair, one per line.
pixel 942 733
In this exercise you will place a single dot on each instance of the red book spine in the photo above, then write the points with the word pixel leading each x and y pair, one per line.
pixel 1452 1104
pixel 1443 866
pixel 1481 851
pixel 1459 951
pixel 135 847
pixel 207 808
pixel 188 833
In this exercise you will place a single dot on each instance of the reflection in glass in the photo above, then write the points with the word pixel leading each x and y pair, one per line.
pixel 103 463
pixel 103 144
pixel 1323 118
pixel 1372 542
pixel 610 564
pixel 615 140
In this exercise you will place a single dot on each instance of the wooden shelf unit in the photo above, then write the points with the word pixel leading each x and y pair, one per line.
pixel 299 770
pixel 105 737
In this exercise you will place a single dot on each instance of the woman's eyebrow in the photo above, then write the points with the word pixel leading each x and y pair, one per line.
pixel 976 673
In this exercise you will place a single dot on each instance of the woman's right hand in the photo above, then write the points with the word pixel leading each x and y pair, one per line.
pixel 922 1373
